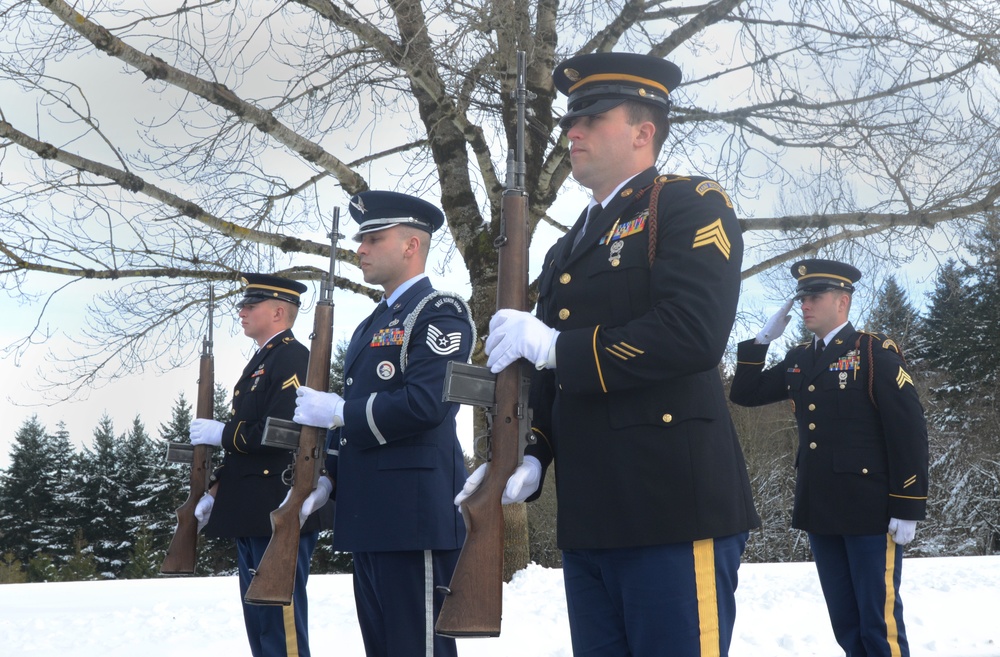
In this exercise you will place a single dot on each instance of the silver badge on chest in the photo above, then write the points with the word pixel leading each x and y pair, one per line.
pixel 615 256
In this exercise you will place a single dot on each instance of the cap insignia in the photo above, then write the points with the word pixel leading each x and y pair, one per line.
pixel 802 270
pixel 571 74
pixel 359 204
pixel 243 281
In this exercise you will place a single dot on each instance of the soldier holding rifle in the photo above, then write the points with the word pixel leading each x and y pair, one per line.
pixel 249 485
pixel 395 460
pixel 635 308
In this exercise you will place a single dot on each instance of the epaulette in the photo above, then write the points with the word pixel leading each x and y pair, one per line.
pixel 669 178
pixel 882 339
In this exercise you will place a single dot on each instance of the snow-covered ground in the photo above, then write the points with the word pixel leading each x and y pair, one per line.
pixel 951 606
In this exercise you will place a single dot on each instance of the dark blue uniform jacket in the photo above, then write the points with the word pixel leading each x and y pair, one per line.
pixel 862 455
pixel 397 462
pixel 634 413
pixel 250 482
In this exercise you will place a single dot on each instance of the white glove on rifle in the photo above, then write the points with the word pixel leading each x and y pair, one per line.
pixel 776 325
pixel 520 485
pixel 206 432
pixel 314 501
pixel 203 510
pixel 902 531
pixel 516 334
pixel 318 409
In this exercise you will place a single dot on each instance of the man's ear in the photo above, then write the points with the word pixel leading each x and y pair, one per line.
pixel 644 134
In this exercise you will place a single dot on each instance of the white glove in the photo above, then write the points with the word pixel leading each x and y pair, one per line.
pixel 203 510
pixel 314 501
pixel 902 531
pixel 206 432
pixel 776 325
pixel 516 334
pixel 318 409
pixel 520 485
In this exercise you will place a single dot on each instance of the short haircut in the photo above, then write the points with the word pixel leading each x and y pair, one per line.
pixel 639 112
pixel 425 238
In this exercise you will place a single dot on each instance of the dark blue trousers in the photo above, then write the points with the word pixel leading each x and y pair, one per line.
pixel 677 599
pixel 274 630
pixel 860 577
pixel 398 601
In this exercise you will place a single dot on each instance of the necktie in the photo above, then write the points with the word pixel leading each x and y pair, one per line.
pixel 819 347
pixel 379 309
pixel 591 215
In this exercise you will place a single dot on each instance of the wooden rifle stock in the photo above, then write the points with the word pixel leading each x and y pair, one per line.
pixel 474 600
pixel 274 580
pixel 182 554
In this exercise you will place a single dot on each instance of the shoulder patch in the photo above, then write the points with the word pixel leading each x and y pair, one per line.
pixel 883 339
pixel 439 341
pixel 457 304
pixel 713 234
pixel 712 186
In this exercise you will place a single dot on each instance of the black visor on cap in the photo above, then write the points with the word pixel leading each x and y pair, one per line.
pixel 589 108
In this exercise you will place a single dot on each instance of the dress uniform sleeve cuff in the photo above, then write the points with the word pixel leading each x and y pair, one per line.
pixel 907 508
pixel 749 352
pixel 580 369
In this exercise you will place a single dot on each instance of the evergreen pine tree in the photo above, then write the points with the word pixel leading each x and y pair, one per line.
pixel 145 559
pixel 61 526
pixel 222 409
pixel 946 332
pixel 106 504
pixel 337 367
pixel 149 503
pixel 893 314
pixel 26 499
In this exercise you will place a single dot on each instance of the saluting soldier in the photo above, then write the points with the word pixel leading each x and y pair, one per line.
pixel 635 308
pixel 861 465
pixel 395 462
pixel 248 485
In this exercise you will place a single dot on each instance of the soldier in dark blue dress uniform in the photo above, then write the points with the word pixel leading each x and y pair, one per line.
pixel 861 465
pixel 635 308
pixel 395 460
pixel 248 485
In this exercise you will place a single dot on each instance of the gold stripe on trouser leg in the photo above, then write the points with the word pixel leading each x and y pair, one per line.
pixel 291 639
pixel 708 603
pixel 891 631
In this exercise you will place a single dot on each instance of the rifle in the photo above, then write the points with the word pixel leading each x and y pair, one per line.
pixel 474 599
pixel 182 554
pixel 274 580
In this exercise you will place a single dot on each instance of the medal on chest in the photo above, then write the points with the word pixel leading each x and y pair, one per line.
pixel 849 362
pixel 256 377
